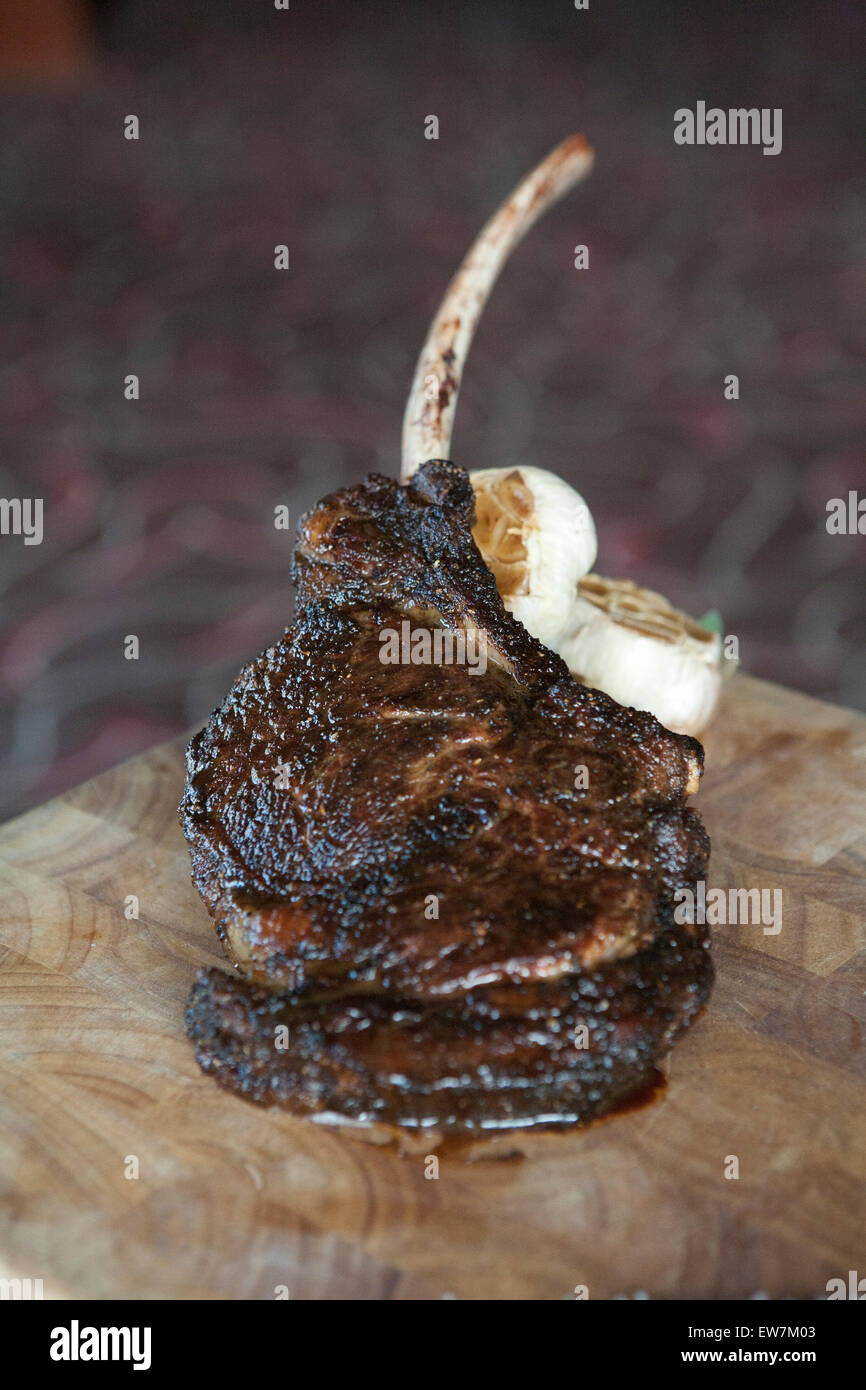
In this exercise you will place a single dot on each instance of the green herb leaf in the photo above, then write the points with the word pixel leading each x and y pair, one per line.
pixel 712 621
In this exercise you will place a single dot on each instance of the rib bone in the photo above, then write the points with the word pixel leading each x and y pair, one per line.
pixel 429 417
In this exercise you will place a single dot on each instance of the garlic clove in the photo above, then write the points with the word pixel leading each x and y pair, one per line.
pixel 633 644
pixel 537 535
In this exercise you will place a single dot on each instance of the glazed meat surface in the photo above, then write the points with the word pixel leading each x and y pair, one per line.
pixel 439 875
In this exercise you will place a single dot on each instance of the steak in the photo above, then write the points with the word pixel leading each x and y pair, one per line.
pixel 451 883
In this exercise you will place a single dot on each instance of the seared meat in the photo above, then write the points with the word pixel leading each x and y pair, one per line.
pixel 497 1058
pixel 434 874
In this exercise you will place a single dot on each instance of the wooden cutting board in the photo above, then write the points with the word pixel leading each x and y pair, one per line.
pixel 233 1201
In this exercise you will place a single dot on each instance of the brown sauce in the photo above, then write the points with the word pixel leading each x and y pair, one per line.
pixel 498 1144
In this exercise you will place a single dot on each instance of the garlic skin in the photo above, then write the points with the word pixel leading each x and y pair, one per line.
pixel 537 535
pixel 634 645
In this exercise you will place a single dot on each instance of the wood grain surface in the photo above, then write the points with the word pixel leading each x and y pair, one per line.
pixel 233 1201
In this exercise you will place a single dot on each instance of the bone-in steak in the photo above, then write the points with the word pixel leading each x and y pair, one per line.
pixel 454 885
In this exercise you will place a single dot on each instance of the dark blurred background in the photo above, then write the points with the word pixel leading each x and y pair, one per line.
pixel 258 387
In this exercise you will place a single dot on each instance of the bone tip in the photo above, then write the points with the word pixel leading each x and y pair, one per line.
pixel 577 145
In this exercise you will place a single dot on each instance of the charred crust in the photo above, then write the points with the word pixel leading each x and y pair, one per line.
pixel 403 782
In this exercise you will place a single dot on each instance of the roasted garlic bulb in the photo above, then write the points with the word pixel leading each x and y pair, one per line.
pixel 538 537
pixel 634 645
